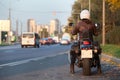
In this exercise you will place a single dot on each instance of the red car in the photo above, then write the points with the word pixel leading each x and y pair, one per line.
pixel 44 41
pixel 51 41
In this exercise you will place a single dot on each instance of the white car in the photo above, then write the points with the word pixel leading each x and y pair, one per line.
pixel 64 42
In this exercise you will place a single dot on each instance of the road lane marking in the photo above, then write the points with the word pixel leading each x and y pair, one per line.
pixel 32 59
pixel 9 51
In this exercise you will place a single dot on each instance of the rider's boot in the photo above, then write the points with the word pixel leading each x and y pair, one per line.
pixel 99 70
pixel 72 68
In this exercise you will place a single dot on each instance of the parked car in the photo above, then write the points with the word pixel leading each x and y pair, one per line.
pixel 44 41
pixel 51 41
pixel 64 42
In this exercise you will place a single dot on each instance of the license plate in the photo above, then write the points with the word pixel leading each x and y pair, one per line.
pixel 27 41
pixel 86 54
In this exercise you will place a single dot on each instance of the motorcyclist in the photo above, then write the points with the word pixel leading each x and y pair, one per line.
pixel 85 26
pixel 86 29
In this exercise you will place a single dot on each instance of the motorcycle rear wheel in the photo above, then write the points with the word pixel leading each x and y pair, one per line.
pixel 86 67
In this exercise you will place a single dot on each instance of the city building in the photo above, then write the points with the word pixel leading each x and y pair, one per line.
pixel 31 25
pixel 5 32
pixel 52 30
pixel 4 25
pixel 54 27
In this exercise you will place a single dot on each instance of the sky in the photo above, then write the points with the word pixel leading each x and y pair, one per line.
pixel 42 11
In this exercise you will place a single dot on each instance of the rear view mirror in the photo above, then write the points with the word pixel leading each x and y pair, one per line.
pixel 98 26
pixel 71 24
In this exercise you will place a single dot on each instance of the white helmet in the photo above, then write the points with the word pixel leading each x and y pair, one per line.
pixel 85 14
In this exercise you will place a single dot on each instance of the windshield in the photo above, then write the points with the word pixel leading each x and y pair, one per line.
pixel 27 35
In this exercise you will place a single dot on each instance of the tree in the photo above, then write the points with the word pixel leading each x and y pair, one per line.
pixel 56 33
pixel 112 11
pixel 114 4
pixel 76 8
pixel 96 9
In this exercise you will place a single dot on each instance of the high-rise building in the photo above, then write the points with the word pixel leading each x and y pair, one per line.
pixel 54 26
pixel 32 25
pixel 38 28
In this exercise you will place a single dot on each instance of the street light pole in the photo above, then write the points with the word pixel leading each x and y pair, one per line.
pixel 90 6
pixel 10 17
pixel 103 26
pixel 16 30
pixel 21 28
pixel 9 36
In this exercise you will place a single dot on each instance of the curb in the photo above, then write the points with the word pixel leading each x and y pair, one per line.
pixel 108 58
pixel 111 59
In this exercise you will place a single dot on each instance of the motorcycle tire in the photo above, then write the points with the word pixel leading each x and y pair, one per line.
pixel 86 67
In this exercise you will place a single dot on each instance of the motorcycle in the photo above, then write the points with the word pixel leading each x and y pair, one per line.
pixel 85 54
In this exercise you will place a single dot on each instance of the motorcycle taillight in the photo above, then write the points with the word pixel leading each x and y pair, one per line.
pixel 86 42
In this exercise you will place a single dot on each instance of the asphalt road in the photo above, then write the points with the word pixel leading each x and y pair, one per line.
pixel 49 64
pixel 16 53
pixel 15 60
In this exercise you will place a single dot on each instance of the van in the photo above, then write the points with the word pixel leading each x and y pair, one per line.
pixel 30 39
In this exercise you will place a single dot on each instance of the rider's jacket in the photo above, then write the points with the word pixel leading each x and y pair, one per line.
pixel 86 29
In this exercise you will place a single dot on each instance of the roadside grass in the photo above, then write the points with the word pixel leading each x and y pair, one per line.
pixel 4 44
pixel 112 50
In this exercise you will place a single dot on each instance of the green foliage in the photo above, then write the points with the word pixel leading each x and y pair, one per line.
pixel 111 17
pixel 113 36
pixel 4 44
pixel 76 8
pixel 96 9
pixel 56 33
pixel 113 50
pixel 114 4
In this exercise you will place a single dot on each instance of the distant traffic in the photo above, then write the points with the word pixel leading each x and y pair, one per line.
pixel 33 39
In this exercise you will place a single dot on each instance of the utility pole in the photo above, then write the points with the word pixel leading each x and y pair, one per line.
pixel 9 32
pixel 10 17
pixel 59 29
pixel 21 28
pixel 90 6
pixel 16 30
pixel 103 26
